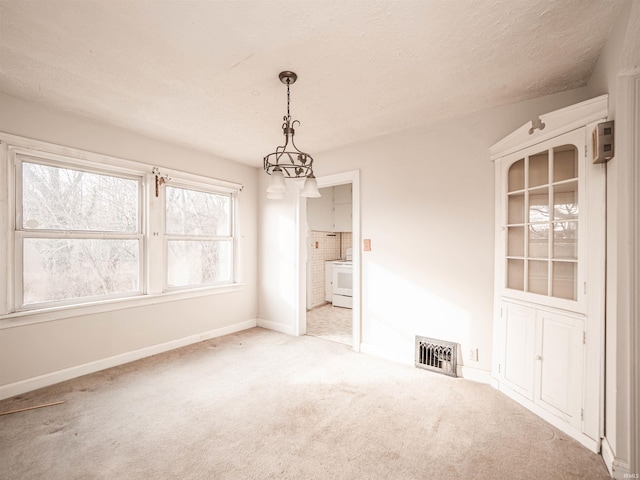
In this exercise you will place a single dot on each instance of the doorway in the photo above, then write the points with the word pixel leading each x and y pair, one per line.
pixel 329 236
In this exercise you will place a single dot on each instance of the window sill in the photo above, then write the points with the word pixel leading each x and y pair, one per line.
pixel 29 317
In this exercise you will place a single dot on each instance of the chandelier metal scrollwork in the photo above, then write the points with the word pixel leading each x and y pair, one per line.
pixel 288 161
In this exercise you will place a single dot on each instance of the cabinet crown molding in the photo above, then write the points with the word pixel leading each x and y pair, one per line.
pixel 555 123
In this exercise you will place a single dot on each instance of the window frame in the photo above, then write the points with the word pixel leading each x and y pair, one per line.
pixel 20 234
pixel 167 237
pixel 576 138
pixel 150 232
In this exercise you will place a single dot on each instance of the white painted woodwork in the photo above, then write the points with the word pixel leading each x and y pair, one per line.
pixel 342 215
pixel 320 211
pixel 342 193
pixel 332 211
pixel 560 355
pixel 549 336
pixel 519 328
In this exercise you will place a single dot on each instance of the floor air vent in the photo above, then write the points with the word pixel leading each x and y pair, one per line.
pixel 436 355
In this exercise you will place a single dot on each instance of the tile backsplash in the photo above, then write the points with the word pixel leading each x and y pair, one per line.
pixel 324 246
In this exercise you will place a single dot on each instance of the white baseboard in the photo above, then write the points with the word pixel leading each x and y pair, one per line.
pixel 585 440
pixel 617 468
pixel 278 327
pixel 52 378
pixel 476 374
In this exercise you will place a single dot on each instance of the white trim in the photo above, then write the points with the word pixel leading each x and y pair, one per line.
pixel 150 234
pixel 572 124
pixel 352 177
pixel 475 374
pixel 468 373
pixel 52 378
pixel 634 338
pixel 94 158
pixel 627 138
pixel 20 319
pixel 590 443
pixel 556 123
pixel 275 326
pixel 618 469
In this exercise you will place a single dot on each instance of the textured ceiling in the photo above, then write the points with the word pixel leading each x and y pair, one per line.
pixel 205 73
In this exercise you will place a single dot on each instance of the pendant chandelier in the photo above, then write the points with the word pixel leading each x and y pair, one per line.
pixel 288 161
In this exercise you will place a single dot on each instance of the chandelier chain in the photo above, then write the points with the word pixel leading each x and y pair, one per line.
pixel 288 99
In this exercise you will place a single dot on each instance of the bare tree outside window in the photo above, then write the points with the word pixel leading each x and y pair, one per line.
pixel 199 242
pixel 78 234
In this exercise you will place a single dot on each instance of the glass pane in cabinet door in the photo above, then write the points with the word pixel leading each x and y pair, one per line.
pixel 564 280
pixel 539 169
pixel 565 163
pixel 538 277
pixel 515 241
pixel 565 201
pixel 516 209
pixel 539 240
pixel 515 274
pixel 516 176
pixel 565 240
pixel 539 205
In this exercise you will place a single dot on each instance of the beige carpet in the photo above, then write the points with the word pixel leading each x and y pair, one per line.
pixel 263 405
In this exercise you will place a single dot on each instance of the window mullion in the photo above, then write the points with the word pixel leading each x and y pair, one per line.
pixel 155 239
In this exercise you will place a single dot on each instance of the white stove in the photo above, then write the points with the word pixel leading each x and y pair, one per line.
pixel 343 282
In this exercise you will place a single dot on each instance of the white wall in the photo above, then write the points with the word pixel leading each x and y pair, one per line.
pixel 279 285
pixel 80 343
pixel 619 60
pixel 427 199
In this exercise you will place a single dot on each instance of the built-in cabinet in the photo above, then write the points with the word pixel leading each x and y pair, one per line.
pixel 549 274
pixel 332 211
pixel 543 359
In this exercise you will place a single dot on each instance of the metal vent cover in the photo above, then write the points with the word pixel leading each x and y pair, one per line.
pixel 436 355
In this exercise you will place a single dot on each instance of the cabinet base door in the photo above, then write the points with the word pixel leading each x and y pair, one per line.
pixel 519 348
pixel 560 369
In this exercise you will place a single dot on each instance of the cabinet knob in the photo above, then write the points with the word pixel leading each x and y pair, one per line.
pixel 538 357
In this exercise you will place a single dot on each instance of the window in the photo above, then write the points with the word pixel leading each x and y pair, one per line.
pixel 542 223
pixel 78 233
pixel 199 244
pixel 84 228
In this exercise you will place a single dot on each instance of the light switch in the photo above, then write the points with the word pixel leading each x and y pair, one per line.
pixel 367 244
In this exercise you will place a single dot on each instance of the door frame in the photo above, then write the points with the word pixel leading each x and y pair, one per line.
pixel 352 177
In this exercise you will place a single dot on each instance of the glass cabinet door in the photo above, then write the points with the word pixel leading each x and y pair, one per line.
pixel 542 220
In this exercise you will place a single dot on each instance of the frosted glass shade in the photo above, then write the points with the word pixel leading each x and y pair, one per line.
pixel 277 183
pixel 310 189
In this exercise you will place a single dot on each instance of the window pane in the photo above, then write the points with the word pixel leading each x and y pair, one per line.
pixel 565 240
pixel 538 277
pixel 516 176
pixel 516 209
pixel 539 240
pixel 515 274
pixel 195 262
pixel 565 163
pixel 539 205
pixel 190 212
pixel 565 201
pixel 539 169
pixel 56 198
pixel 61 269
pixel 564 280
pixel 515 241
